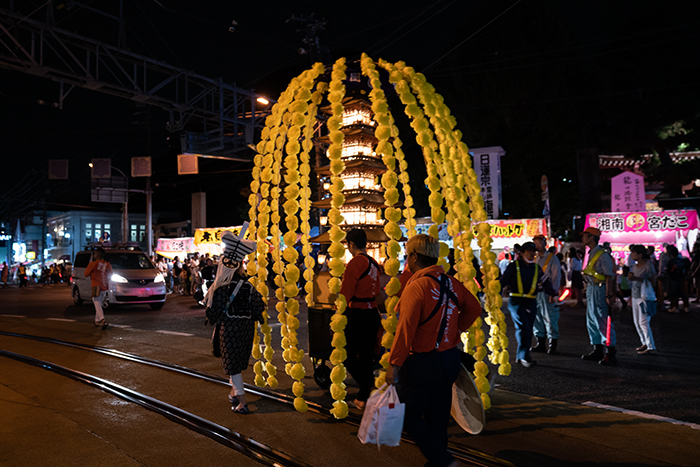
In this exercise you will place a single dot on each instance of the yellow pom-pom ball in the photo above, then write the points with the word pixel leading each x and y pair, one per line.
pixel 256 352
pixel 297 372
pixel 338 374
pixel 337 325
pixel 272 382
pixel 393 287
pixel 444 249
pixel 380 380
pixel 300 405
pixel 338 391
pixel 504 370
pixel 482 384
pixel 391 266
pixel 259 381
pixel 387 340
pixel 480 353
pixel 258 367
pixel 481 369
pixel 486 400
pixel 290 255
pixel 504 357
pixel 308 275
pixel 382 132
pixel 334 285
pixel 338 340
pixel 337 270
pixel 298 388
pixel 270 368
pixel 340 409
pixel 269 352
pixel 338 356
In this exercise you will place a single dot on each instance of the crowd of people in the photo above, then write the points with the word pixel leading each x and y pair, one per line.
pixel 641 281
pixel 186 276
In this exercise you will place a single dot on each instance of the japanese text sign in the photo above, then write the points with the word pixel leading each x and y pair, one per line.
pixel 627 193
pixel 487 165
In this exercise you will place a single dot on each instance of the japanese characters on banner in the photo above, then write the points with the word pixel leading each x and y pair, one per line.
pixel 646 228
pixel 516 228
pixel 487 165
pixel 206 236
pixel 628 193
pixel 503 232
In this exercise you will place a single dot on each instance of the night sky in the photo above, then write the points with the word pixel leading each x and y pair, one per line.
pixel 542 79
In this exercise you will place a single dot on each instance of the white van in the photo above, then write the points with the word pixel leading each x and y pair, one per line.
pixel 135 279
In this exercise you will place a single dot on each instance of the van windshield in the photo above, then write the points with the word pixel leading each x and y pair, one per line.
pixel 128 261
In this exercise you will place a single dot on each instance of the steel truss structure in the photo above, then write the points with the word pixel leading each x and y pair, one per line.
pixel 212 117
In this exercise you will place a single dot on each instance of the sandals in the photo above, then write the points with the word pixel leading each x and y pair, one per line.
pixel 233 400
pixel 101 323
pixel 242 410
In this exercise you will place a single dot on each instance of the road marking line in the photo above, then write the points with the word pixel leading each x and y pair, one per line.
pixel 173 333
pixel 60 319
pixel 123 326
pixel 660 418
pixel 13 316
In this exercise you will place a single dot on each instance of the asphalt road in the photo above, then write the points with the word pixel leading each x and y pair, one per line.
pixel 665 385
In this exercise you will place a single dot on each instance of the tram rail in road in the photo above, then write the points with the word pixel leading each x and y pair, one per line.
pixel 251 448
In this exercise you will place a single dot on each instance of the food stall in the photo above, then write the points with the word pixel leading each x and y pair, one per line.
pixel 652 228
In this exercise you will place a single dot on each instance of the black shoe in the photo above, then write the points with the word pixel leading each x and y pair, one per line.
pixel 541 345
pixel 552 346
pixel 597 354
pixel 609 359
pixel 525 363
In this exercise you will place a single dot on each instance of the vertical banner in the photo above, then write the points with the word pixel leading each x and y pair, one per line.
pixel 487 165
pixel 627 194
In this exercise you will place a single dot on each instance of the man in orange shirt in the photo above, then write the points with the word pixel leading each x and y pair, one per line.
pixel 433 310
pixel 361 287
pixel 99 271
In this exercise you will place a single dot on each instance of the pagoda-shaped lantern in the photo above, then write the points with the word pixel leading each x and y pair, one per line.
pixel 363 194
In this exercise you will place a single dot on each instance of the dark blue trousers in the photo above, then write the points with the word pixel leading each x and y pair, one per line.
pixel 425 386
pixel 523 313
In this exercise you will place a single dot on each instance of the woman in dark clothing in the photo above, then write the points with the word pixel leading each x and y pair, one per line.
pixel 233 306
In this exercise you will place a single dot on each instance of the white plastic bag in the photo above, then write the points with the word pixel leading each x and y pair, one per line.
pixel 647 292
pixel 382 421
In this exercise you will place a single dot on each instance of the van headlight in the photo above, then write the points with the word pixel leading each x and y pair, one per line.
pixel 119 279
pixel 159 278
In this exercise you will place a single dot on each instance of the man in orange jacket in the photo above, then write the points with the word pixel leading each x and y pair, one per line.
pixel 433 310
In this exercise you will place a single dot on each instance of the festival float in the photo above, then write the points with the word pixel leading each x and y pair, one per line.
pixel 280 206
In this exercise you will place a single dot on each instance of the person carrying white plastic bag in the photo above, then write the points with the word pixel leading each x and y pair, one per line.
pixel 382 421
pixel 425 362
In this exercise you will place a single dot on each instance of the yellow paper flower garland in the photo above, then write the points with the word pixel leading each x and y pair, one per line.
pixel 305 170
pixel 449 169
pixel 264 162
pixel 291 353
pixel 389 180
pixel 336 249
pixel 453 174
